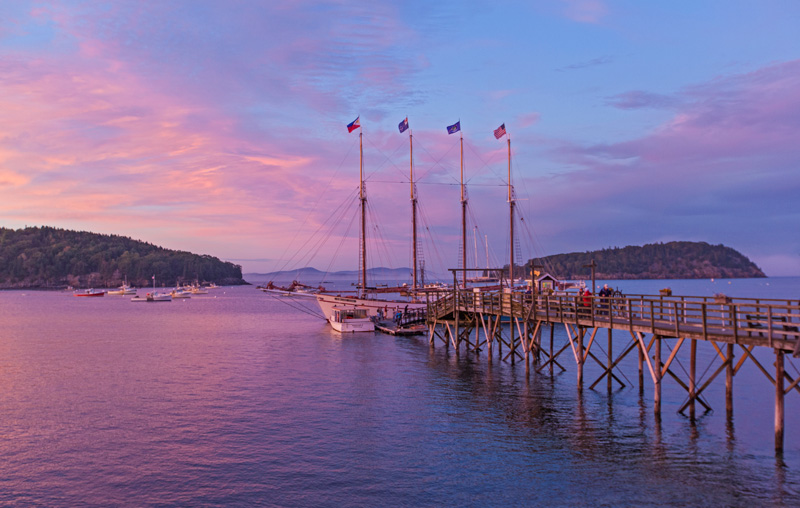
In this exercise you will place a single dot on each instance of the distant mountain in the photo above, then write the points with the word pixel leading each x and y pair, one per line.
pixel 309 275
pixel 45 257
pixel 672 260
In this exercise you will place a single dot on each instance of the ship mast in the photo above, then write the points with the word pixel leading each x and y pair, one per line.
pixel 511 218
pixel 463 219
pixel 363 199
pixel 413 211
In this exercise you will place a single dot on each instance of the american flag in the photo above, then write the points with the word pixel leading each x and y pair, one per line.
pixel 500 131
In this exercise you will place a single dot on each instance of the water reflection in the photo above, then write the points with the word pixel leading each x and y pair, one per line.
pixel 239 402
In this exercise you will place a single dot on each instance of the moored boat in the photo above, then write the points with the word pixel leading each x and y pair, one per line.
pixel 123 290
pixel 153 297
pixel 349 319
pixel 89 292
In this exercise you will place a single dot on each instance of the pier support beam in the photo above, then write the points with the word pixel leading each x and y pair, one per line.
pixel 580 357
pixel 779 393
pixel 692 379
pixel 610 361
pixel 658 377
pixel 729 382
pixel 641 370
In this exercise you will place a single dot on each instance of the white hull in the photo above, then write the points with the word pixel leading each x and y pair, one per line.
pixel 326 303
pixel 353 325
pixel 292 294
pixel 153 297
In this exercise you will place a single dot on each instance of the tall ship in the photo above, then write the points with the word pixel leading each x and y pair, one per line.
pixel 416 295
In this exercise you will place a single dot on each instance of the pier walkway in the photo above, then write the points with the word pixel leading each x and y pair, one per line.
pixel 516 320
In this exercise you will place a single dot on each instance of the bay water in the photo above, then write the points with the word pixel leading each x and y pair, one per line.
pixel 236 398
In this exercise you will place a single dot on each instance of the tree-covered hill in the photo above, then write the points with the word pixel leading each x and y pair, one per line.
pixel 45 257
pixel 673 260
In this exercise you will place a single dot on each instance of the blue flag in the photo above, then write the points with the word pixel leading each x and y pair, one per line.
pixel 452 129
pixel 403 126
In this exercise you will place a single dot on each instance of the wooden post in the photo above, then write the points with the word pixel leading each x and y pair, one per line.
pixel 779 416
pixel 580 358
pixel 729 382
pixel 657 368
pixel 610 361
pixel 641 369
pixel 692 379
pixel 552 361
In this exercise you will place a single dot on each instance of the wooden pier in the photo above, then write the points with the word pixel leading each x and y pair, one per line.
pixel 515 320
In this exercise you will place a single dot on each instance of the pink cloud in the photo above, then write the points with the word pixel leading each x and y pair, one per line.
pixel 585 11
pixel 727 157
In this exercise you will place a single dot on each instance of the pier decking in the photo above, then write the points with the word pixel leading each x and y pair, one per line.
pixel 516 320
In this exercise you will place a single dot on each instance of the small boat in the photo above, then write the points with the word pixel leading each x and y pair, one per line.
pixel 123 290
pixel 199 290
pixel 153 297
pixel 181 293
pixel 349 319
pixel 89 292
pixel 158 297
pixel 213 286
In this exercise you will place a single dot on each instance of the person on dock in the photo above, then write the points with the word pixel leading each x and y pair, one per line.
pixel 587 300
pixel 604 293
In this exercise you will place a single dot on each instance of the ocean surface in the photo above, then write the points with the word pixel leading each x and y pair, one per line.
pixel 237 399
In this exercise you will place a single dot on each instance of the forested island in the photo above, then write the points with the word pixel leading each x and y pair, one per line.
pixel 51 258
pixel 672 260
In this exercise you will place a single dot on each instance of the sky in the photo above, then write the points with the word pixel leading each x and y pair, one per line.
pixel 220 127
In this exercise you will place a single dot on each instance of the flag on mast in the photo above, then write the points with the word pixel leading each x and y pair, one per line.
pixel 500 131
pixel 403 126
pixel 353 125
pixel 452 129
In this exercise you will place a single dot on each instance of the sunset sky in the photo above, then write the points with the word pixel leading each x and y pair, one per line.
pixel 219 127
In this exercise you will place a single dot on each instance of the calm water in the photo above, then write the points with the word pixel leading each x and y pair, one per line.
pixel 236 399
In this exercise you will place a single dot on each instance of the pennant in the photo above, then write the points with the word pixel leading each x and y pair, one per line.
pixel 452 129
pixel 353 125
pixel 403 126
pixel 500 131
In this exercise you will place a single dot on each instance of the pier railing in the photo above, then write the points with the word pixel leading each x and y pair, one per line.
pixel 763 322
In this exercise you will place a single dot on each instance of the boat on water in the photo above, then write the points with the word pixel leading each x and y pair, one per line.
pixel 89 292
pixel 154 296
pixel 333 304
pixel 350 319
pixel 123 290
pixel 180 293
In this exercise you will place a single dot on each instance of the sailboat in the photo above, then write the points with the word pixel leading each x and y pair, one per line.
pixel 331 304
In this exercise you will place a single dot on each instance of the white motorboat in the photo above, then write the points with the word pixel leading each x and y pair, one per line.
pixel 349 319
pixel 154 296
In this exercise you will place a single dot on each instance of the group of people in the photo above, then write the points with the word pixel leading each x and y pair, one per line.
pixel 605 293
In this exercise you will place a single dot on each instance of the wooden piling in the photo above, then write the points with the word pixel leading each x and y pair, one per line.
pixel 657 383
pixel 729 381
pixel 610 361
pixel 692 379
pixel 641 370
pixel 779 393
pixel 580 357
